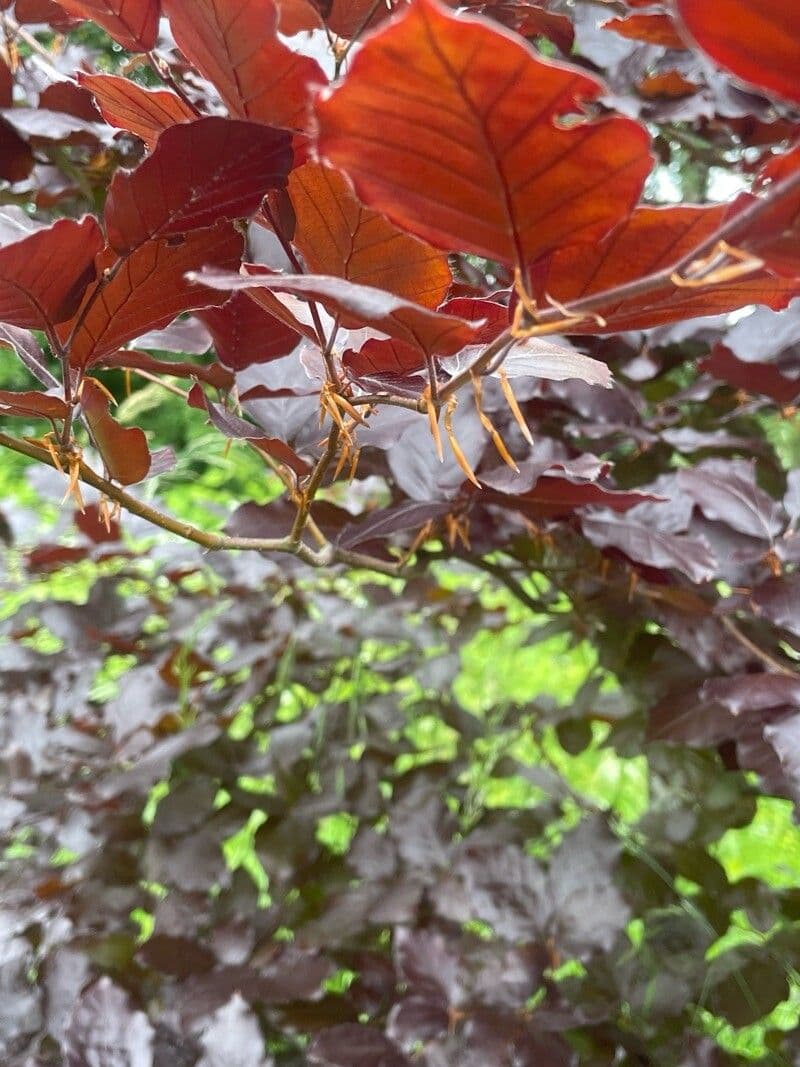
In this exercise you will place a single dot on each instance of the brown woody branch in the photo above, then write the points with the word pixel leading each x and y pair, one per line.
pixel 325 556
pixel 552 320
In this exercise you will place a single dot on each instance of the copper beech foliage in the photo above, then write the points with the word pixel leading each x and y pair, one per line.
pixel 512 282
pixel 444 133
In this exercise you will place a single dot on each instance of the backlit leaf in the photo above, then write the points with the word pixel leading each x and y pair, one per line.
pixel 338 235
pixel 128 106
pixel 453 128
pixel 757 40
pixel 654 28
pixel 149 290
pixel 133 23
pixel 235 44
pixel 654 239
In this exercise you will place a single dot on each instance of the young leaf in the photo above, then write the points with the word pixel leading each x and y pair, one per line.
pixel 235 44
pixel 757 40
pixel 124 449
pixel 39 405
pixel 149 290
pixel 461 134
pixel 337 235
pixel 43 276
pixel 133 23
pixel 199 174
pixel 143 112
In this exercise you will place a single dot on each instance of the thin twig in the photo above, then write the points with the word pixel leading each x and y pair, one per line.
pixel 326 556
pixel 756 650
pixel 309 491
pixel 161 67
pixel 551 320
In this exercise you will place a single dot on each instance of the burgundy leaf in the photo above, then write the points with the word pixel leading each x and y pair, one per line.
pixel 148 290
pixel 124 449
pixel 200 174
pixel 245 334
pixel 360 305
pixel 43 276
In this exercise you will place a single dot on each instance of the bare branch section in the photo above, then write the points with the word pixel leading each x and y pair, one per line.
pixel 215 542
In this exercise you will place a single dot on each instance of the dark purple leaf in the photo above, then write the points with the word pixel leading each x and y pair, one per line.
pixel 643 544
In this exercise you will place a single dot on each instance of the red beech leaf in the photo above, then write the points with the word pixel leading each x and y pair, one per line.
pixel 654 238
pixel 495 317
pixel 124 449
pixel 337 235
pixel 240 430
pixel 298 15
pixel 70 98
pixel 46 559
pixel 551 497
pixel 91 523
pixel 235 44
pixel 655 29
pixel 127 106
pixel 43 276
pixel 16 156
pixel 671 85
pixel 6 84
pixel 764 378
pixel 776 237
pixel 200 173
pixel 528 20
pixel 133 23
pixel 39 405
pixel 396 358
pixel 276 307
pixel 359 305
pixel 245 334
pixel 349 18
pixel 451 127
pixel 133 360
pixel 757 40
pixel 149 290
pixel 46 11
